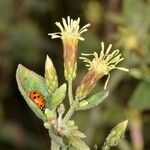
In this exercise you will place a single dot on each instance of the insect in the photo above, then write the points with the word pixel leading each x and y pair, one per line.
pixel 38 99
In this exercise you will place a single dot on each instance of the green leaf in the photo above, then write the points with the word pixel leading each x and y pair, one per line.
pixel 140 98
pixel 93 100
pixel 58 96
pixel 115 135
pixel 77 133
pixel 28 81
pixel 77 143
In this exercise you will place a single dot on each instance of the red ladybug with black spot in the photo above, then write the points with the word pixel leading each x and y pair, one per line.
pixel 38 99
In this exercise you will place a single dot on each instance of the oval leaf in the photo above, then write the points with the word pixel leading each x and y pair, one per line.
pixel 28 81
pixel 58 96
pixel 77 143
pixel 115 135
pixel 94 100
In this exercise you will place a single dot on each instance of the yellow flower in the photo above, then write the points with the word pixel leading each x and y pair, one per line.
pixel 101 65
pixel 71 29
pixel 70 34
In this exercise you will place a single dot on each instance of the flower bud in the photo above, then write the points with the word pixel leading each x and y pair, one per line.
pixel 70 123
pixel 83 103
pixel 50 76
pixel 49 114
pixel 61 109
pixel 46 125
pixel 53 121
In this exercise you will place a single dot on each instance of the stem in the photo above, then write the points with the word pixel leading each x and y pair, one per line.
pixel 54 145
pixel 70 95
pixel 105 147
pixel 70 111
pixel 73 104
pixel 56 140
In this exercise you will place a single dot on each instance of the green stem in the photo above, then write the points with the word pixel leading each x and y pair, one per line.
pixel 70 111
pixel 70 94
pixel 105 147
pixel 55 140
pixel 54 145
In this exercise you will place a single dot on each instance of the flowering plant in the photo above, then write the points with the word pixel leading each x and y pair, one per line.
pixel 45 97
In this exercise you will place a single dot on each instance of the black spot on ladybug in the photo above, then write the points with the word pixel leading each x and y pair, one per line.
pixel 34 92
pixel 38 96
pixel 34 97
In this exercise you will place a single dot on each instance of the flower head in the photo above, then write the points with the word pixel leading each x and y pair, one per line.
pixel 70 28
pixel 105 62
pixel 70 35
pixel 100 65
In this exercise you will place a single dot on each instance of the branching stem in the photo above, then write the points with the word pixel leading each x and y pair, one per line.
pixel 73 104
pixel 70 111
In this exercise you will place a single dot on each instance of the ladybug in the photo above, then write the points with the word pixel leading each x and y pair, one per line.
pixel 38 99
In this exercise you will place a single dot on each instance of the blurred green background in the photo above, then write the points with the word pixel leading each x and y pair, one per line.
pixel 24 28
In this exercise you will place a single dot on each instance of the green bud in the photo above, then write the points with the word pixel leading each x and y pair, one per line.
pixel 49 114
pixel 50 76
pixel 46 125
pixel 54 121
pixel 77 133
pixel 70 123
pixel 61 109
pixel 83 103
pixel 116 134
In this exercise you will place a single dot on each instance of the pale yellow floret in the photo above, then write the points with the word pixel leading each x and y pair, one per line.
pixel 69 28
pixel 104 62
